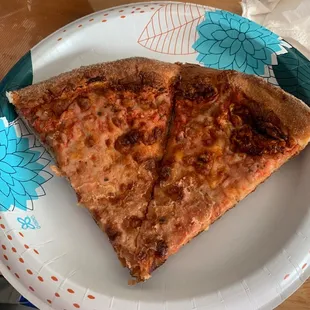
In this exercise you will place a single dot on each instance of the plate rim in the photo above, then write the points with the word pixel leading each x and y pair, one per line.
pixel 21 287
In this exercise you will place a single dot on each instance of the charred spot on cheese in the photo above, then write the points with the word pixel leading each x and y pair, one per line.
pixel 124 142
pixel 256 133
pixel 247 140
pixel 197 89
pixel 90 141
pixel 269 128
pixel 83 103
pixel 161 249
pixel 240 114
pixel 175 192
pixel 162 220
pixel 202 162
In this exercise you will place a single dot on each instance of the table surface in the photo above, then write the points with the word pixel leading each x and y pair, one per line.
pixel 24 23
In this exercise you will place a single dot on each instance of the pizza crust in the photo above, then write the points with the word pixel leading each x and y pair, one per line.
pixel 137 71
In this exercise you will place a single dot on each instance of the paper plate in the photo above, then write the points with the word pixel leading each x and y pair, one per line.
pixel 52 251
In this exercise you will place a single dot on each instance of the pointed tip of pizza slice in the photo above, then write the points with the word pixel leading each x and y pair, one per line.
pixel 106 126
pixel 230 132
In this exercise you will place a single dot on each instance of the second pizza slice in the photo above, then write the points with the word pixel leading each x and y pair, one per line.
pixel 229 133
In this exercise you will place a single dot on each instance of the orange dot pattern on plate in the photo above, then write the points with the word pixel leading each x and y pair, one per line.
pixel 2 226
pixel 29 271
pixel 91 19
pixel 35 251
pixel 91 296
pixel 121 11
pixel 21 260
pixel 57 295
pixel 21 234
pixel 80 26
pixel 10 237
pixel 40 278
pixel 70 290
pixel 106 14
pixel 5 257
pixel 16 275
pixel 123 16
pixel 49 301
pixel 3 247
pixel 59 39
pixel 31 288
pixel 104 20
pixel 286 276
pixel 141 11
pixel 26 246
pixel 8 267
pixel 76 306
pixel 14 250
pixel 54 278
pixel 304 266
pixel 138 9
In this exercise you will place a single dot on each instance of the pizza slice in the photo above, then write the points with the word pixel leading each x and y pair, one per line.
pixel 230 132
pixel 106 126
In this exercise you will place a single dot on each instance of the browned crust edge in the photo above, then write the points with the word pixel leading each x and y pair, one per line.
pixel 293 113
pixel 136 70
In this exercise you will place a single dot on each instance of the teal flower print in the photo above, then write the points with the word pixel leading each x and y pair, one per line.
pixel 229 41
pixel 21 167
pixel 26 223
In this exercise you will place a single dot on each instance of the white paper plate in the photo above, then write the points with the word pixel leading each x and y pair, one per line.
pixel 52 251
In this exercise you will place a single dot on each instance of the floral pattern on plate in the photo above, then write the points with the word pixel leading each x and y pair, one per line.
pixel 229 41
pixel 22 166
